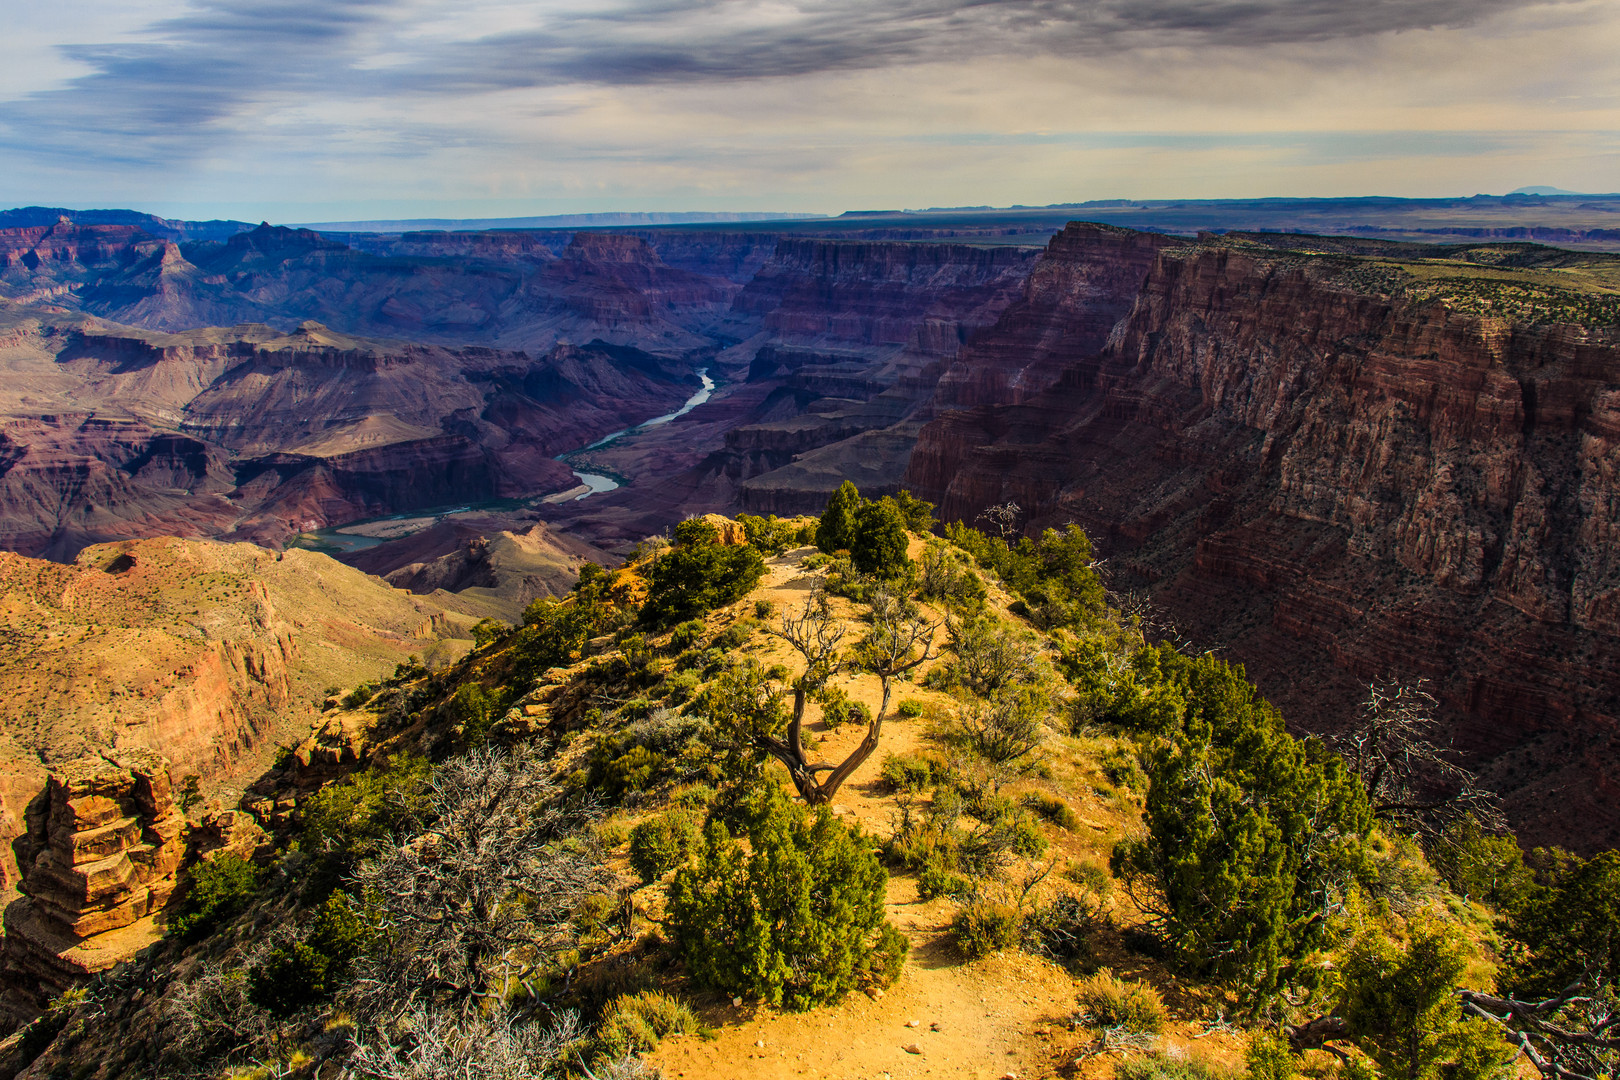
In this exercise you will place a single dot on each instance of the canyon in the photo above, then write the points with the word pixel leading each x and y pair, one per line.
pixel 1334 484
pixel 1335 460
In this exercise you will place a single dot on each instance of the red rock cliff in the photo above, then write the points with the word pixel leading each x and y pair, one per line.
pixel 1342 486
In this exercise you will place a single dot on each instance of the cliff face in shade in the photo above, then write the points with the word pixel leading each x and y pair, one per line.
pixel 1341 486
pixel 881 294
pixel 1084 283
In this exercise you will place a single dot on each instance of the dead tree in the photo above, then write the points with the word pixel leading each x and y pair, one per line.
pixel 899 641
pixel 1002 518
pixel 1572 1036
pixel 482 899
pixel 1410 778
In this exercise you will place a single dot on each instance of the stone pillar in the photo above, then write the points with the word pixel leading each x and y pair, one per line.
pixel 98 862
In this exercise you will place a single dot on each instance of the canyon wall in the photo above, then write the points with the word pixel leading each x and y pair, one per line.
pixel 517 291
pixel 1338 485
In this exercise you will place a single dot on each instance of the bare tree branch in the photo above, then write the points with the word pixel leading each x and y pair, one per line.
pixel 1002 518
pixel 481 899
pixel 1411 778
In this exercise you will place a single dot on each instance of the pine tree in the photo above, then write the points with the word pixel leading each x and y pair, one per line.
pixel 879 544
pixel 1253 835
pixel 836 532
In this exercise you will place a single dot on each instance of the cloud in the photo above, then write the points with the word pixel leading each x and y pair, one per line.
pixel 685 40
pixel 149 99
pixel 526 99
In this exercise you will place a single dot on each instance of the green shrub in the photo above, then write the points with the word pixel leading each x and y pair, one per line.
pixel 909 772
pixel 1237 866
pixel 983 927
pixel 1062 931
pixel 1024 835
pixel 836 707
pixel 685 636
pixel 918 514
pixel 698 575
pixel 735 636
pixel 306 972
pixel 1165 1067
pixel 1122 768
pixel 1401 1008
pixel 764 609
pixel 217 889
pixel 1482 866
pixel 1106 1001
pixel 1053 809
pixel 910 708
pixel 359 695
pixel 634 1023
pixel 1055 576
pixel 878 547
pixel 342 820
pixel 488 631
pixel 1567 927
pixel 680 687
pixel 836 529
pixel 792 919
pixel 771 535
pixel 882 964
pixel 1091 877
pixel 660 844
pixel 475 709
pixel 695 797
pixel 947 578
pixel 1269 1057
pixel 936 881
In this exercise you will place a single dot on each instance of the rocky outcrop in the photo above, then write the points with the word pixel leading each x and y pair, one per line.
pixel 1342 485
pixel 205 653
pixel 99 858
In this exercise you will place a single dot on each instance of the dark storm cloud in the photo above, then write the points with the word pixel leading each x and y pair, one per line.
pixel 679 42
pixel 203 72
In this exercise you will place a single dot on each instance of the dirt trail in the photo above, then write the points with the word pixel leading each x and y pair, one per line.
pixel 983 1019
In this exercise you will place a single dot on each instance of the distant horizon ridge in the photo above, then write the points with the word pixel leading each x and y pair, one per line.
pixel 558 221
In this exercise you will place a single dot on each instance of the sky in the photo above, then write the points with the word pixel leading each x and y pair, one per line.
pixel 323 110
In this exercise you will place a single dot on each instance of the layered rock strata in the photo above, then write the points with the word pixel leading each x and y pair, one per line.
pixel 99 858
pixel 259 435
pixel 1340 486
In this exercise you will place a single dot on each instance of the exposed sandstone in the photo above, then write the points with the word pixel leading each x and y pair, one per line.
pixel 205 653
pixel 260 435
pixel 99 858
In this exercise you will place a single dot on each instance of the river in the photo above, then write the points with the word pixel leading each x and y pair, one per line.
pixel 335 540
pixel 598 483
